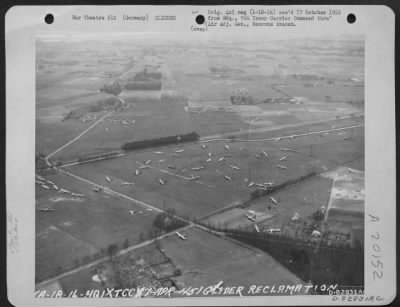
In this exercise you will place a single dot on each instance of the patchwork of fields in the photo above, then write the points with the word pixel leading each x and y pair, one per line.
pixel 95 221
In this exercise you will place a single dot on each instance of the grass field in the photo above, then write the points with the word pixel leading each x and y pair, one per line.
pixel 204 259
pixel 303 198
pixel 322 76
pixel 81 228
pixel 212 190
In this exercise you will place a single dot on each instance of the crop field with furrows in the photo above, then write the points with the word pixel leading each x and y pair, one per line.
pixel 95 220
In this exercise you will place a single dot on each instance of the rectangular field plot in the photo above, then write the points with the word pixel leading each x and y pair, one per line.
pixel 95 220
pixel 206 259
pixel 303 198
pixel 200 179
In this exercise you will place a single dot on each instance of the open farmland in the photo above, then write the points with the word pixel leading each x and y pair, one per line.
pixel 303 198
pixel 82 226
pixel 127 199
pixel 203 260
pixel 241 162
pixel 217 259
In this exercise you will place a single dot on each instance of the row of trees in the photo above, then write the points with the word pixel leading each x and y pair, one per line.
pixel 167 221
pixel 113 88
pixel 162 141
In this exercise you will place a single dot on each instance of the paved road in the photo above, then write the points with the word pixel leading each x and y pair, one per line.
pixel 94 160
pixel 281 137
pixel 224 136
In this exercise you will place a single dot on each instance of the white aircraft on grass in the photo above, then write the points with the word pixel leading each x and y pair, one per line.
pixel 147 162
pixel 265 154
pixel 194 177
pixel 179 150
pixel 75 194
pixel 273 200
pixel 257 156
pixel 234 167
pixel 203 146
pixel 197 168
pixel 221 159
pixel 251 184
pixel 162 160
pixel 283 159
pixel 45 187
pixel 256 227
pixel 171 166
pixel 108 179
pixel 209 154
pixel 46 209
pixel 127 183
pixel 287 149
pixel 277 139
pixel 282 167
pixel 64 191
pixel 273 230
pixel 137 172
pixel 228 178
pixel 96 189
pixel 55 187
pixel 251 218
pixel 226 146
pixel 158 152
pixel 143 166
pixel 162 181
pixel 181 236
pixel 208 160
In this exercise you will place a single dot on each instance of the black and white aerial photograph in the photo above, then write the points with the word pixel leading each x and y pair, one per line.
pixel 222 166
